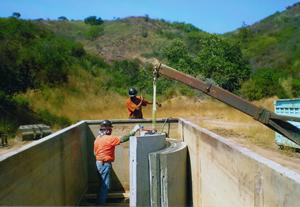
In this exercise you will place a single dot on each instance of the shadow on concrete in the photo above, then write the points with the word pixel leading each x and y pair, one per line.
pixel 189 182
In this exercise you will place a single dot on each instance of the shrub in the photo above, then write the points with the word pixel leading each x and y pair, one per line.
pixel 93 32
pixel 263 83
pixel 296 88
pixel 92 20
pixel 172 34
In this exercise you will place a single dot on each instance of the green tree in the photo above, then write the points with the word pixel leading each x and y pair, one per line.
pixel 62 18
pixel 263 83
pixel 146 18
pixel 125 73
pixel 296 88
pixel 30 56
pixel 244 35
pixel 222 60
pixel 185 27
pixel 16 38
pixel 179 57
pixel 260 46
pixel 93 32
pixel 16 15
pixel 193 40
pixel 52 58
pixel 92 20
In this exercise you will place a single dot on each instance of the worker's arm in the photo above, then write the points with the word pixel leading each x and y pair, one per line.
pixel 125 138
pixel 139 106
pixel 158 104
pixel 147 102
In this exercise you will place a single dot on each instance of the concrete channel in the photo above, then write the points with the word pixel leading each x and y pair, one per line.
pixel 181 165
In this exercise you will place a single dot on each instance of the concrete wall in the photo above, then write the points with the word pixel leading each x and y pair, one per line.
pixel 223 174
pixel 51 171
pixel 140 147
pixel 59 169
pixel 56 170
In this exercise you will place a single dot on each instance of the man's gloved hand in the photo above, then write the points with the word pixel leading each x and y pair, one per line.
pixel 125 138
pixel 135 130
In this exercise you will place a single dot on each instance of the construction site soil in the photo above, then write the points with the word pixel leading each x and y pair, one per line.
pixel 286 158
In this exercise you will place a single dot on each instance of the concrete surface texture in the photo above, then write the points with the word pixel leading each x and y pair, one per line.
pixel 140 147
pixel 223 174
pixel 58 169
pixel 168 177
pixel 120 176
pixel 49 172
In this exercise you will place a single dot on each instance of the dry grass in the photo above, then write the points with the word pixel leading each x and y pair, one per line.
pixel 81 107
pixel 82 99
pixel 90 104
pixel 220 118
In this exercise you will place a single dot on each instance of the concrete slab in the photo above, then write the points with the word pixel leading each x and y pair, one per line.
pixel 140 147
pixel 168 175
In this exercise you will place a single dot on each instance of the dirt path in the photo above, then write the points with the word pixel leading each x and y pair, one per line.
pixel 12 146
pixel 289 160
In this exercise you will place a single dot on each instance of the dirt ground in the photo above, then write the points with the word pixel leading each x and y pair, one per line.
pixel 288 159
pixel 13 145
pixel 285 158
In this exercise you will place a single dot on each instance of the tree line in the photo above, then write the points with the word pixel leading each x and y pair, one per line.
pixel 32 56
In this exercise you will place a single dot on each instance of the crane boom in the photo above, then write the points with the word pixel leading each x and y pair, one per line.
pixel 275 122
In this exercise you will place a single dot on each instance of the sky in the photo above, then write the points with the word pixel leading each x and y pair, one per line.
pixel 213 16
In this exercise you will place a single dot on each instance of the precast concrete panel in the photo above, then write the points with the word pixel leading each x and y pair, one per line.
pixel 168 175
pixel 173 163
pixel 140 147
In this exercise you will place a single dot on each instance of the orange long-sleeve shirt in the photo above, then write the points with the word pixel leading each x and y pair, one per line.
pixel 104 147
pixel 132 105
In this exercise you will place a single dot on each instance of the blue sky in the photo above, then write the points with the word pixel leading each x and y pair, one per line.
pixel 213 16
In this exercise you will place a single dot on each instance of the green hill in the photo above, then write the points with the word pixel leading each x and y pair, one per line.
pixel 273 41
pixel 50 62
pixel 128 38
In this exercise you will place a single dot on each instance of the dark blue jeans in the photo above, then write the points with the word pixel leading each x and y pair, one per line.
pixel 104 172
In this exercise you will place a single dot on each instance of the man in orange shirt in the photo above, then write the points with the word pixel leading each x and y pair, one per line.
pixel 104 150
pixel 135 103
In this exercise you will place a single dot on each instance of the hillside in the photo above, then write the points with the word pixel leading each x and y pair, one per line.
pixel 284 27
pixel 279 21
pixel 128 38
pixel 274 41
pixel 89 88
pixel 117 55
pixel 271 48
